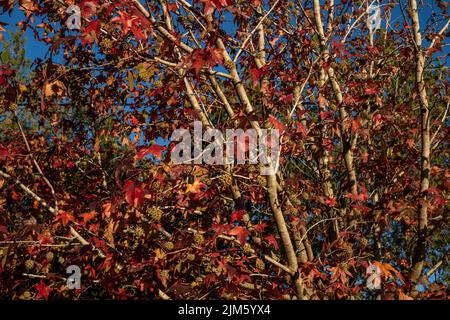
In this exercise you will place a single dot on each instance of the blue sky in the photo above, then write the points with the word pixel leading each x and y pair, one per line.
pixel 35 49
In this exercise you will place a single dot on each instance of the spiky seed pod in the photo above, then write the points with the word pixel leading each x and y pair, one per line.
pixel 198 238
pixel 262 181
pixel 295 201
pixel 247 248
pixel 226 180
pixel 268 21
pixel 60 69
pixel 155 213
pixel 158 83
pixel 364 241
pixel 29 264
pixel 348 251
pixel 229 65
pixel 49 256
pixel 168 246
pixel 139 232
pixel 191 257
pixel 106 45
pixel 26 295
pixel 260 264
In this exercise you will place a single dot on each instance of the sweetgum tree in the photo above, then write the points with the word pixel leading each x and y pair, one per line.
pixel 86 176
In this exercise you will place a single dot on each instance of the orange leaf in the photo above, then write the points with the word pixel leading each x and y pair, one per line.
pixel 196 187
pixel 65 217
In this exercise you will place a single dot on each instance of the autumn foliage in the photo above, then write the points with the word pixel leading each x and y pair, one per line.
pixel 86 176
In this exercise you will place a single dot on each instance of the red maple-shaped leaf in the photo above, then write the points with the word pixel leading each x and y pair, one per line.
pixel 220 229
pixel 237 215
pixel 260 227
pixel 89 216
pixel 91 32
pixel 271 240
pixel 64 217
pixel 203 58
pixel 277 124
pixel 155 150
pixel 331 201
pixel 43 290
pixel 210 5
pixel 241 233
pixel 88 8
pixel 257 74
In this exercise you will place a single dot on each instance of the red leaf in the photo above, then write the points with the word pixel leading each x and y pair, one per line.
pixel 220 229
pixel 43 290
pixel 287 98
pixel 133 194
pixel 372 90
pixel 155 150
pixel 260 227
pixel 4 153
pixel 89 216
pixel 277 124
pixel 237 215
pixel 134 121
pixel 91 32
pixel 241 233
pixel 211 4
pixel 257 74
pixel 3 229
pixel 65 217
pixel 271 240
pixel 301 129
pixel 331 201
pixel 129 192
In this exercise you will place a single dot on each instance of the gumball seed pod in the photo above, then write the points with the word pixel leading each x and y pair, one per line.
pixel 260 264
pixel 168 246
pixel 191 257
pixel 155 213
pixel 29 264
pixel 229 65
pixel 139 232
pixel 262 181
pixel 49 256
pixel 198 238
pixel 364 241
pixel 226 180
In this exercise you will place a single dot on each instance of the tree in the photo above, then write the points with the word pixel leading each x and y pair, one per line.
pixel 362 178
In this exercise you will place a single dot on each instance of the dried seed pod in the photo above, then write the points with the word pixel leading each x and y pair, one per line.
pixel 155 213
